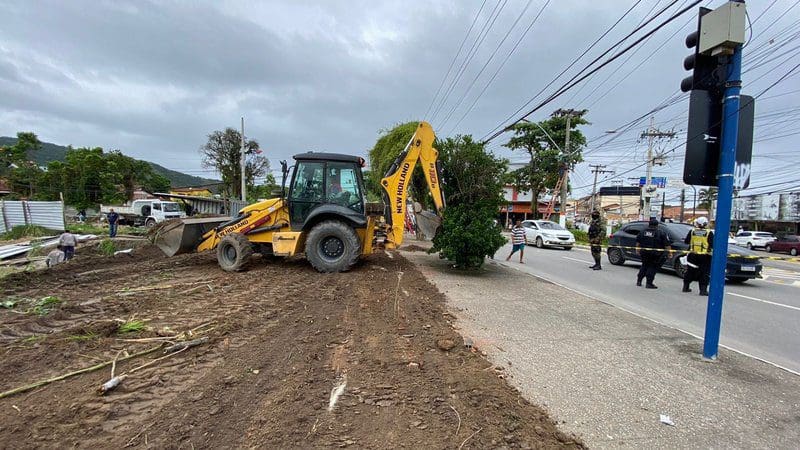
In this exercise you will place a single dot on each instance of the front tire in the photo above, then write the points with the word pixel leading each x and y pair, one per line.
pixel 234 252
pixel 539 242
pixel 749 246
pixel 568 247
pixel 736 280
pixel 332 246
pixel 615 256
pixel 150 223
pixel 768 248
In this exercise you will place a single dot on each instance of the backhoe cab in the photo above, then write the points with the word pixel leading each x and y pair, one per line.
pixel 324 213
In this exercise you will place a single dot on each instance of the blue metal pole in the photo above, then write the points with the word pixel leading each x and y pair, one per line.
pixel 727 162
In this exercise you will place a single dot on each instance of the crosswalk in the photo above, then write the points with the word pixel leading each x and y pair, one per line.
pixel 781 276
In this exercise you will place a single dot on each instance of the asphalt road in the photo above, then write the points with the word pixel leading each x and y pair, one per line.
pixel 760 318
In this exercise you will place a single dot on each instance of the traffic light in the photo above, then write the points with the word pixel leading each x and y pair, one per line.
pixel 706 73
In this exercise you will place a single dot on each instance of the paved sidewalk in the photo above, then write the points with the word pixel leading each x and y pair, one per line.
pixel 608 375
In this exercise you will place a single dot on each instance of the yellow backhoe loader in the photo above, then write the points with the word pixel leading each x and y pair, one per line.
pixel 324 214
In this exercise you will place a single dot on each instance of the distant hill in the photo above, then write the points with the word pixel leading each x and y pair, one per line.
pixel 53 152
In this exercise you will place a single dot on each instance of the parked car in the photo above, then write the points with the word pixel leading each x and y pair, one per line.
pixel 789 243
pixel 753 239
pixel 545 233
pixel 742 264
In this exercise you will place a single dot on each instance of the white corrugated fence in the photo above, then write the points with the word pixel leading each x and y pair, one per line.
pixel 45 214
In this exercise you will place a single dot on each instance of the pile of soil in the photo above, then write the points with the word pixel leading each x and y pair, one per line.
pixel 295 358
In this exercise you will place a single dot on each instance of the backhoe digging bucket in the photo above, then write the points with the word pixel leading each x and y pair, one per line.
pixel 428 223
pixel 184 235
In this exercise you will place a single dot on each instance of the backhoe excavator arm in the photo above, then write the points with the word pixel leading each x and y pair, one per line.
pixel 395 182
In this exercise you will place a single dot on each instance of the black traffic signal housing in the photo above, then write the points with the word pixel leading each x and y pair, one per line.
pixel 703 132
pixel 707 73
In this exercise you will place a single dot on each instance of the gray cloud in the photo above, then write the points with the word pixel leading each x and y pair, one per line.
pixel 154 78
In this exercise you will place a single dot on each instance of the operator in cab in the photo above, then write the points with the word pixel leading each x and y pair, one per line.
pixel 700 240
pixel 652 244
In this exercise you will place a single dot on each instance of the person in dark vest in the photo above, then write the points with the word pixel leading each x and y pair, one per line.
pixel 113 220
pixel 652 243
pixel 700 240
pixel 596 239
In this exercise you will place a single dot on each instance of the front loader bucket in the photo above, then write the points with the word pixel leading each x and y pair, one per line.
pixel 428 223
pixel 184 235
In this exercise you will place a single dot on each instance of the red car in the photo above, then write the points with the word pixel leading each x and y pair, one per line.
pixel 789 243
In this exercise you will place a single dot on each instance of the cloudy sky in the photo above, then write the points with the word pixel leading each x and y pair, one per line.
pixel 154 78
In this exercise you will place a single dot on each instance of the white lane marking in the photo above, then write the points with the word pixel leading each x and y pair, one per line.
pixel 575 259
pixel 642 316
pixel 764 301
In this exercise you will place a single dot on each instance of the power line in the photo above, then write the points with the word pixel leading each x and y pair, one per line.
pixel 575 61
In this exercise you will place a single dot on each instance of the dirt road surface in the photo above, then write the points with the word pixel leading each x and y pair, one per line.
pixel 293 359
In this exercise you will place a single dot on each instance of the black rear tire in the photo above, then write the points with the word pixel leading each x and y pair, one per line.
pixel 332 246
pixel 768 248
pixel 539 242
pixel 615 256
pixel 234 252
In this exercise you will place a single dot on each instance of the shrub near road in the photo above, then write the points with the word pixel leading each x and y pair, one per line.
pixel 473 188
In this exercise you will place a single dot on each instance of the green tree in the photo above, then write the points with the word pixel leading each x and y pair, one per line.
pixel 386 150
pixel 222 152
pixel 20 153
pixel 706 198
pixel 544 143
pixel 472 180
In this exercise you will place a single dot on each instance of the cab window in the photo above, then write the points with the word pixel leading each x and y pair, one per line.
pixel 342 185
pixel 307 185
pixel 157 206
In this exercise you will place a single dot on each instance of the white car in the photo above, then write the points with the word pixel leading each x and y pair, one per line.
pixel 544 233
pixel 753 239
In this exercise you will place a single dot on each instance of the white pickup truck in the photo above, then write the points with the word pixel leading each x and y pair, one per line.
pixel 145 212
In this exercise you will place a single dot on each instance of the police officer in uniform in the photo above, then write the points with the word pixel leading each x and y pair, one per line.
pixel 652 244
pixel 596 239
pixel 700 241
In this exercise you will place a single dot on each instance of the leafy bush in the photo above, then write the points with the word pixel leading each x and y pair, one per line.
pixel 472 183
pixel 106 247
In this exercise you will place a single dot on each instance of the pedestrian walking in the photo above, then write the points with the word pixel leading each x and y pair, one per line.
pixel 596 239
pixel 698 267
pixel 68 242
pixel 113 219
pixel 517 240
pixel 55 257
pixel 652 243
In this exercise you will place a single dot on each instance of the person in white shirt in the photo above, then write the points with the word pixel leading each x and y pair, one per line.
pixel 55 257
pixel 517 240
pixel 68 241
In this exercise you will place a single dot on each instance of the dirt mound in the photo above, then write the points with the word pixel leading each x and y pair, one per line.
pixel 413 248
pixel 294 359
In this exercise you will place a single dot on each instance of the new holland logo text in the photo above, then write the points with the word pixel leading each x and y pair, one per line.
pixel 432 174
pixel 401 188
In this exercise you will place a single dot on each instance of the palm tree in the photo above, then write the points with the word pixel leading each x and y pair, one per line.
pixel 706 198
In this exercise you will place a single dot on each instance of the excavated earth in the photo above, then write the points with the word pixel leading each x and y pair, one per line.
pixel 293 359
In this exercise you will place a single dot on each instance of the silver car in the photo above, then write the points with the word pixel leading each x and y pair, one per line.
pixel 544 233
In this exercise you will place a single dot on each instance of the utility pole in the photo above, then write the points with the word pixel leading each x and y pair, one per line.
pixel 568 113
pixel 663 204
pixel 651 134
pixel 242 165
pixel 683 200
pixel 596 169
